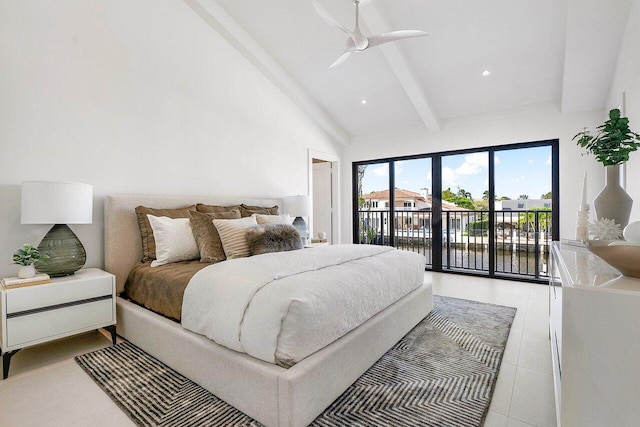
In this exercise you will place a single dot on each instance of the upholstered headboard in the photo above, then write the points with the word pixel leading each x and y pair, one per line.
pixel 122 244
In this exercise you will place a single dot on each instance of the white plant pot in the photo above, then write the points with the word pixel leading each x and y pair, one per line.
pixel 27 271
pixel 613 202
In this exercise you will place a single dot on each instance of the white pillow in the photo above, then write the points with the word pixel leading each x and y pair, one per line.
pixel 233 234
pixel 273 219
pixel 174 240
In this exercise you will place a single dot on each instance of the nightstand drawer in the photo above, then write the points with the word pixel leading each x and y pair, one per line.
pixel 54 293
pixel 51 324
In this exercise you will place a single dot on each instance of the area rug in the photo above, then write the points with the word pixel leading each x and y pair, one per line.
pixel 442 373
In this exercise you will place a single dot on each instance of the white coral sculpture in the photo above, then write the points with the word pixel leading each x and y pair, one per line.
pixel 605 229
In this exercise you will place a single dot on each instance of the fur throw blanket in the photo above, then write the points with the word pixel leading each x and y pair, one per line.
pixel 273 238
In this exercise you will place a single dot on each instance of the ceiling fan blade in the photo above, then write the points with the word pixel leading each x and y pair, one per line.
pixel 394 36
pixel 342 58
pixel 326 17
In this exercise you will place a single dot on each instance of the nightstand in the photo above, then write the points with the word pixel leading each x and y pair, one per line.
pixel 67 306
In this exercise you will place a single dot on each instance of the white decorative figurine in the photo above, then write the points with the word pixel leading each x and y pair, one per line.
pixel 582 225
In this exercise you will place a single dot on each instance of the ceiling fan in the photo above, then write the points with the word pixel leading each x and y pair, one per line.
pixel 356 41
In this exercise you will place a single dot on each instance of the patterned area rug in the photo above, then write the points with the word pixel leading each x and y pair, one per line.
pixel 442 373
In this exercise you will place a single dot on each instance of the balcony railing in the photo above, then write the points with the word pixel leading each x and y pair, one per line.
pixel 521 238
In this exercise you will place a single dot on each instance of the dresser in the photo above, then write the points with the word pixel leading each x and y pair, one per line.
pixel 595 340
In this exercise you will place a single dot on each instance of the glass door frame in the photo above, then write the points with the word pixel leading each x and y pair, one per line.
pixel 436 218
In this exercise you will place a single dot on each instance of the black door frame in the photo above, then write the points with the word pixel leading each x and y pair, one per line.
pixel 436 175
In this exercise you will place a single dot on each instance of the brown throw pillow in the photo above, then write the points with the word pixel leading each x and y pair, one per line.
pixel 246 210
pixel 146 232
pixel 206 234
pixel 273 238
pixel 212 208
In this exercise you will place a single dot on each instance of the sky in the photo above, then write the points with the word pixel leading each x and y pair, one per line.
pixel 522 171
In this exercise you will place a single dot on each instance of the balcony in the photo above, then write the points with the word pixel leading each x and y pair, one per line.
pixel 520 240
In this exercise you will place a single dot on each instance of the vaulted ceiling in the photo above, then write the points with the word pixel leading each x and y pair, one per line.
pixel 561 51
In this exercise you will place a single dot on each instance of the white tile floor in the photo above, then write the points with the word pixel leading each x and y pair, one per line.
pixel 47 388
pixel 524 390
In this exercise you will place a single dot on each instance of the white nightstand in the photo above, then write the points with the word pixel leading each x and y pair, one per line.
pixel 66 306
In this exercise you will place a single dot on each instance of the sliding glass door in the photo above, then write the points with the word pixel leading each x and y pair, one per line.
pixel 490 211
pixel 465 211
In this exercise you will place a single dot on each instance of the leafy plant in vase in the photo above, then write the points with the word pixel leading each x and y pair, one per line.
pixel 26 256
pixel 611 147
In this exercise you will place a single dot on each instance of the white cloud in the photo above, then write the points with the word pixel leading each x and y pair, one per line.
pixel 473 164
pixel 449 178
pixel 382 170
pixel 548 162
pixel 531 161
pixel 496 160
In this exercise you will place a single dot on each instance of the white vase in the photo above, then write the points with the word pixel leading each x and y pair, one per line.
pixel 27 271
pixel 612 202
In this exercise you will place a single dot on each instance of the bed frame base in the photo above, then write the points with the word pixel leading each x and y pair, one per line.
pixel 270 394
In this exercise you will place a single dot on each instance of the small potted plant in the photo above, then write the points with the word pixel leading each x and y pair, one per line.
pixel 26 256
pixel 611 147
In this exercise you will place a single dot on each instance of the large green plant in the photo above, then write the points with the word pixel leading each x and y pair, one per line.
pixel 614 140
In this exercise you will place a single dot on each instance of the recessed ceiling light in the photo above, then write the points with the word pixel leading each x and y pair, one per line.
pixel 485 73
pixel 363 101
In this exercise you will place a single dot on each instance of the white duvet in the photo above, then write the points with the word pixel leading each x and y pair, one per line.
pixel 282 307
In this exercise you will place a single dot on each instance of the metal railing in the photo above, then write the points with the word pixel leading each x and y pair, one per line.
pixel 521 239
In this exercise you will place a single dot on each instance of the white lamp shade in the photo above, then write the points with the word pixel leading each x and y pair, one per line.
pixel 298 206
pixel 49 202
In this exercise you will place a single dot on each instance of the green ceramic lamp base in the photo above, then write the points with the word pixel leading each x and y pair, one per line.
pixel 66 255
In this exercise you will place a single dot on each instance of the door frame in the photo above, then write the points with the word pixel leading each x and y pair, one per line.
pixel 436 169
pixel 334 159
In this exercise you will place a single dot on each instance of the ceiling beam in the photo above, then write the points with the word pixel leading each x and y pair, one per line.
pixel 221 22
pixel 401 68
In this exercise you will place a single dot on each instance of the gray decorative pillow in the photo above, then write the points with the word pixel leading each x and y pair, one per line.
pixel 273 238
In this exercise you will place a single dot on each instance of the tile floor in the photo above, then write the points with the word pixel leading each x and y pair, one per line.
pixel 524 391
pixel 47 388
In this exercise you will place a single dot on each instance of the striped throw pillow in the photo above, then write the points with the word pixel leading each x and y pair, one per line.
pixel 233 234
pixel 273 219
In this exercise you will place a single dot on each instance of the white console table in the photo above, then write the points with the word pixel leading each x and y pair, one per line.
pixel 595 340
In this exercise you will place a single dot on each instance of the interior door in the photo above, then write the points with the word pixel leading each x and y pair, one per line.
pixel 322 205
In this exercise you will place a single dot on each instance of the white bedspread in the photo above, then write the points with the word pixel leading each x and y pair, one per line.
pixel 282 307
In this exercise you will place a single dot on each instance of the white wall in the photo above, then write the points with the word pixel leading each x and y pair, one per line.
pixel 136 97
pixel 532 123
pixel 627 81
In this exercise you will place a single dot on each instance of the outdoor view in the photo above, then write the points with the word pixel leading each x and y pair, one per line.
pixel 522 214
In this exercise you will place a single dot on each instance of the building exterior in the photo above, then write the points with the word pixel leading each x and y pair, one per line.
pixel 412 212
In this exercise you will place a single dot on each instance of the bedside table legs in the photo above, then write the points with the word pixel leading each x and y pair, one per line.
pixel 112 330
pixel 6 361
pixel 6 358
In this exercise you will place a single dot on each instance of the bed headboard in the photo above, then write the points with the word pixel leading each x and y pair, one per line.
pixel 122 244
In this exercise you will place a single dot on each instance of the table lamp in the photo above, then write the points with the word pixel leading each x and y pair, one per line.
pixel 299 207
pixel 58 203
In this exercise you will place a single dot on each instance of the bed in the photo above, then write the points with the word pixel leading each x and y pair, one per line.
pixel 272 394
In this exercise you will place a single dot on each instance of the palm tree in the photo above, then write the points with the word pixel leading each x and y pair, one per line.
pixel 361 170
pixel 485 195
pixel 464 194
